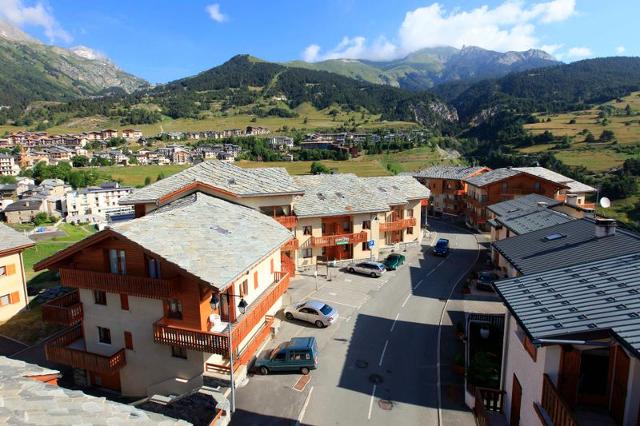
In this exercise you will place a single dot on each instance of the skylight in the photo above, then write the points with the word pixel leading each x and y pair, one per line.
pixel 552 237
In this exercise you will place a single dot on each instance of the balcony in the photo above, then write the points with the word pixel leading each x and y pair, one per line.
pixel 338 240
pixel 152 288
pixel 397 225
pixel 289 222
pixel 218 343
pixel 63 310
pixel 555 408
pixel 69 349
pixel 290 245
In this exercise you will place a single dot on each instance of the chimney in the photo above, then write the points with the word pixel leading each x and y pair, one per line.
pixel 605 227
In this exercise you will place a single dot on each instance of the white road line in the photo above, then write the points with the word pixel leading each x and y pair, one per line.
pixel 394 322
pixel 337 303
pixel 373 394
pixel 406 300
pixel 383 351
pixel 304 407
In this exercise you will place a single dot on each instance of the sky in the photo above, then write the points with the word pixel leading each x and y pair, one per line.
pixel 163 40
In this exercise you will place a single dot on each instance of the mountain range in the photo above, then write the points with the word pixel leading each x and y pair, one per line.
pixel 429 67
pixel 31 70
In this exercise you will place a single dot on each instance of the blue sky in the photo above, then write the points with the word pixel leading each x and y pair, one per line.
pixel 162 40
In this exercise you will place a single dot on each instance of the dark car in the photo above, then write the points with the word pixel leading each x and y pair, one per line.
pixel 441 248
pixel 298 354
pixel 394 261
pixel 486 280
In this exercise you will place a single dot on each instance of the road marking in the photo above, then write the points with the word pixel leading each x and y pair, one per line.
pixel 338 303
pixel 333 294
pixel 347 280
pixel 304 407
pixel 406 300
pixel 394 322
pixel 373 394
pixel 383 351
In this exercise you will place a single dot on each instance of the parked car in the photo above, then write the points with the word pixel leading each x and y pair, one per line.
pixel 313 311
pixel 486 280
pixel 394 261
pixel 298 354
pixel 441 248
pixel 371 268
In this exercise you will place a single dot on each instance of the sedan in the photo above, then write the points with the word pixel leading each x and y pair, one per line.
pixel 371 268
pixel 313 311
pixel 394 261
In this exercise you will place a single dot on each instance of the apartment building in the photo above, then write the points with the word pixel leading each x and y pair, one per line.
pixel 8 166
pixel 13 286
pixel 448 187
pixel 131 134
pixel 575 194
pixel 156 294
pixel 96 204
pixel 572 352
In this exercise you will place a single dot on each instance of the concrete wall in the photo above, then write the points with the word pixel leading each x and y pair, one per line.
pixel 12 283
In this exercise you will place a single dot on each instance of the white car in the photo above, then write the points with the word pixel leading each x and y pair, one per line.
pixel 313 311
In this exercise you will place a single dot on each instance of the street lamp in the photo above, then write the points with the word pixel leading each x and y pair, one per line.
pixel 242 306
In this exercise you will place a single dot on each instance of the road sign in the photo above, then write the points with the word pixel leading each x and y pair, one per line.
pixel 371 243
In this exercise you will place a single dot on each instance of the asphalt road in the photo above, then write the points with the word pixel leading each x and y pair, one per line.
pixel 378 364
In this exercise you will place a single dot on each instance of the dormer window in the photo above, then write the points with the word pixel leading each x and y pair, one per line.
pixel 552 237
pixel 117 262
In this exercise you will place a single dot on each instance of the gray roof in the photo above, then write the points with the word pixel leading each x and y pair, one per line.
pixel 336 194
pixel 521 204
pixel 225 176
pixel 588 297
pixel 10 238
pixel 447 172
pixel 24 205
pixel 210 238
pixel 492 176
pixel 26 401
pixel 531 253
pixel 574 186
pixel 397 189
pixel 532 220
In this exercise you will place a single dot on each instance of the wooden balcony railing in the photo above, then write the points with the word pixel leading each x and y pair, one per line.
pixel 290 245
pixel 488 402
pixel 153 288
pixel 336 240
pixel 197 340
pixel 64 310
pixel 557 409
pixel 287 221
pixel 57 350
pixel 398 224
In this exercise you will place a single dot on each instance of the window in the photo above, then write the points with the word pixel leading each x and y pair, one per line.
pixel 306 230
pixel 104 335
pixel 153 267
pixel 175 309
pixel 5 300
pixel 244 288
pixel 117 262
pixel 409 213
pixel 307 253
pixel 410 230
pixel 505 187
pixel 3 271
pixel 255 276
pixel 100 297
pixel 366 224
pixel 7 270
pixel 280 356
pixel 346 226
pixel 178 352
pixel 124 302
pixel 536 186
pixel 128 340
pixel 365 246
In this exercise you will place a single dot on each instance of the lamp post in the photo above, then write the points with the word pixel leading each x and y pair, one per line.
pixel 242 306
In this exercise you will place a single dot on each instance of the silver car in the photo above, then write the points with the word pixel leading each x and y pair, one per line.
pixel 313 311
pixel 371 268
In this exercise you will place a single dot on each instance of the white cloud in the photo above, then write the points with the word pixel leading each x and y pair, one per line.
pixel 38 15
pixel 311 53
pixel 508 26
pixel 579 52
pixel 214 13
pixel 620 50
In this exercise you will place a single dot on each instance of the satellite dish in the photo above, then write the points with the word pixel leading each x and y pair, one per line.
pixel 605 203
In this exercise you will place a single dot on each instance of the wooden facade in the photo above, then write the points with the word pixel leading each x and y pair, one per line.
pixel 63 310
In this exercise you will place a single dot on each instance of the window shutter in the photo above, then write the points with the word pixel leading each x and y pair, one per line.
pixel 10 269
pixel 271 264
pixel 255 276
pixel 124 302
pixel 15 296
pixel 128 340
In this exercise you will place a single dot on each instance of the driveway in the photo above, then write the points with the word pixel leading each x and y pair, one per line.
pixel 378 363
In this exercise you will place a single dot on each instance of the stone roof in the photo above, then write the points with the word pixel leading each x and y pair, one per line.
pixel 532 220
pixel 492 176
pixel 224 176
pixel 565 245
pixel 10 239
pixel 574 186
pixel 25 204
pixel 24 401
pixel 588 297
pixel 336 194
pixel 397 189
pixel 522 204
pixel 210 238
pixel 447 172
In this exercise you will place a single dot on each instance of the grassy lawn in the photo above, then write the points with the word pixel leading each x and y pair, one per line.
pixel 27 326
pixel 597 161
